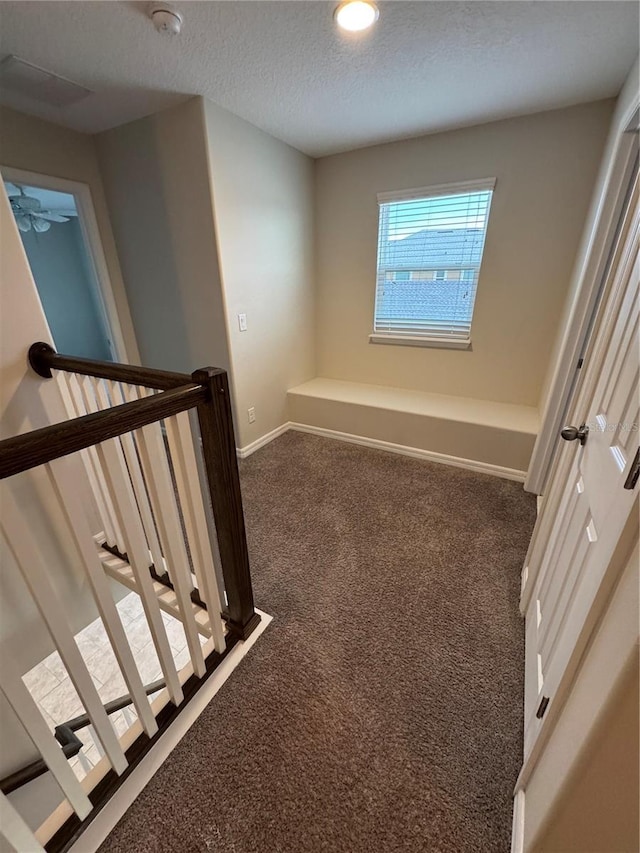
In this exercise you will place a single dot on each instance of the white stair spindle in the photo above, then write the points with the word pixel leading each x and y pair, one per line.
pixel 63 483
pixel 61 379
pixel 26 709
pixel 95 740
pixel 35 573
pixel 117 476
pixel 139 487
pixel 87 385
pixel 186 472
pixel 15 834
pixel 70 390
pixel 112 530
pixel 156 468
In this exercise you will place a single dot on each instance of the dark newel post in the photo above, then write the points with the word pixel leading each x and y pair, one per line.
pixel 219 451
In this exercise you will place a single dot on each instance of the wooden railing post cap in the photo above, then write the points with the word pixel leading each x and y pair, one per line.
pixel 204 375
pixel 39 357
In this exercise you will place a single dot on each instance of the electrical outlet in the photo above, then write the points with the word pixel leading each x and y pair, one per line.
pixel 252 415
pixel 242 322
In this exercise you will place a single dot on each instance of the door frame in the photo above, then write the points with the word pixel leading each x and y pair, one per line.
pixel 594 255
pixel 93 242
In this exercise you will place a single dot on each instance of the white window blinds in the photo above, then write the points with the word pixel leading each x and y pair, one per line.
pixel 430 244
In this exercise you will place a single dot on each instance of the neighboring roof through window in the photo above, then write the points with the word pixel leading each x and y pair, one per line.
pixel 435 237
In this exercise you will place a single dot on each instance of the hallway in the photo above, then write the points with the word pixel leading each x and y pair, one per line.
pixel 382 709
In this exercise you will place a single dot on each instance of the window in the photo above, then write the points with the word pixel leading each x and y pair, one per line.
pixel 430 245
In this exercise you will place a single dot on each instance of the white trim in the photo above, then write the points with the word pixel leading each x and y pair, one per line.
pixel 599 242
pixel 438 189
pixel 248 449
pixel 413 341
pixel 517 830
pixel 100 827
pixel 414 452
pixel 93 241
pixel 390 447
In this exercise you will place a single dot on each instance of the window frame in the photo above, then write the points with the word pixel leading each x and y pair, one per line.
pixel 429 340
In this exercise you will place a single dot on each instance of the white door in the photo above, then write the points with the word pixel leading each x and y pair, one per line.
pixel 592 503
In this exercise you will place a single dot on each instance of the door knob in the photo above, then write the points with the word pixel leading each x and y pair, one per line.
pixel 571 433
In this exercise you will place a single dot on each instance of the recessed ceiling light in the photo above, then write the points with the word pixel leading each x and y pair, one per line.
pixel 356 15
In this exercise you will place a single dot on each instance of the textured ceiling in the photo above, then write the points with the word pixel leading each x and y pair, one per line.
pixel 425 66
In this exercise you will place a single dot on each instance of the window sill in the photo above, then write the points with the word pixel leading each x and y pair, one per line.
pixel 406 341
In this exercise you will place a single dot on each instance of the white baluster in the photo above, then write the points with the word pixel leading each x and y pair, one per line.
pixel 117 477
pixel 72 398
pixel 87 385
pixel 117 397
pixel 111 530
pixel 63 483
pixel 186 472
pixel 156 469
pixel 14 832
pixel 36 575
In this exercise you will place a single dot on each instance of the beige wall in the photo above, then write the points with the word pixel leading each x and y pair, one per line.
pixel 263 202
pixel 627 98
pixel 155 178
pixel 39 146
pixel 599 812
pixel 545 167
pixel 212 218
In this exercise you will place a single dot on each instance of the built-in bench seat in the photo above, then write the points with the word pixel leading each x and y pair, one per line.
pixel 493 437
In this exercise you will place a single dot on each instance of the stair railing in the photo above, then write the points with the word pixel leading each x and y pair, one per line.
pixel 159 452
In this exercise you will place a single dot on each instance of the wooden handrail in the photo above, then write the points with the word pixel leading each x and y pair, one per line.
pixel 206 390
pixel 23 452
pixel 43 359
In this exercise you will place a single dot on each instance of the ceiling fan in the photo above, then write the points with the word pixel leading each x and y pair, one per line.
pixel 29 213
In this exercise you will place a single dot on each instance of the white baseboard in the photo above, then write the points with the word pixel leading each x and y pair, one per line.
pixel 243 452
pixel 110 814
pixel 390 447
pixel 415 452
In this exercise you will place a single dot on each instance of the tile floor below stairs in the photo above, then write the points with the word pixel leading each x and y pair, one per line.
pixel 50 685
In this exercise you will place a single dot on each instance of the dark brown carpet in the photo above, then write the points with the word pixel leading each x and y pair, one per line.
pixel 382 709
